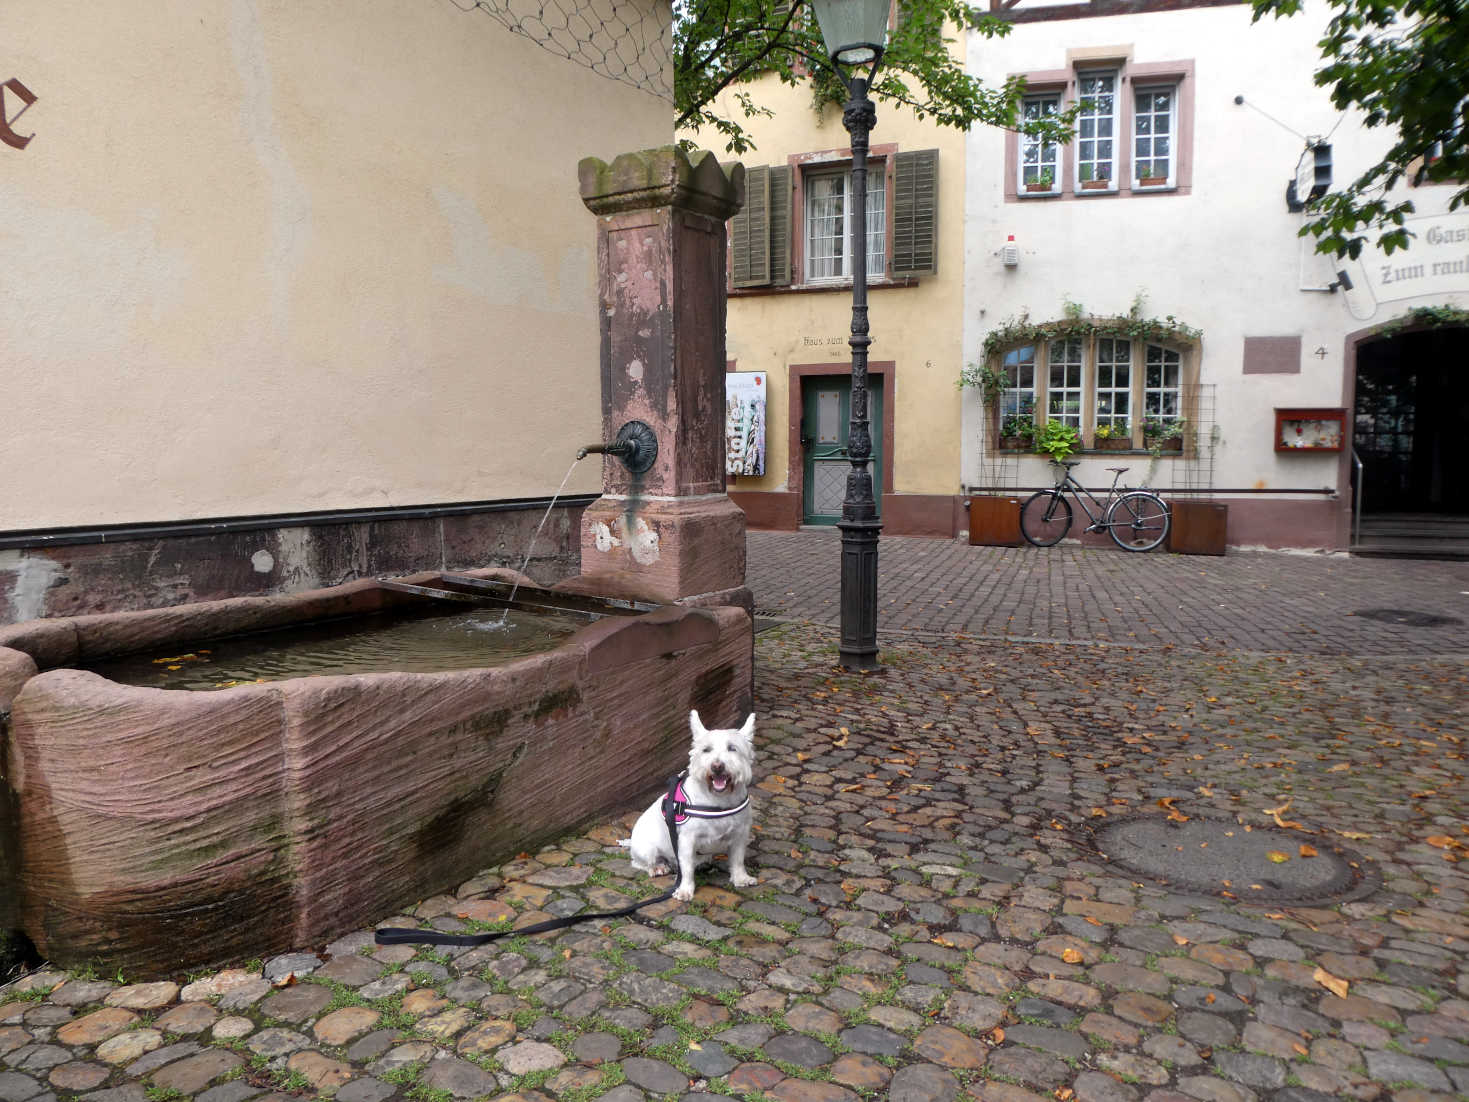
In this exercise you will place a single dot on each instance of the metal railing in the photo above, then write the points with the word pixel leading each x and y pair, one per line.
pixel 1356 498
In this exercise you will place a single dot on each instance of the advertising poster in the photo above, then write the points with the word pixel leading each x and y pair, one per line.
pixel 744 422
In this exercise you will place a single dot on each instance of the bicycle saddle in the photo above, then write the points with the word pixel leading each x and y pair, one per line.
pixel 1119 470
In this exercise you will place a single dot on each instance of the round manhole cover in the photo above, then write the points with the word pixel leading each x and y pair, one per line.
pixel 1407 617
pixel 1221 857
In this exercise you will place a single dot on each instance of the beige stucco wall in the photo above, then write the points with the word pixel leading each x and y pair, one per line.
pixel 278 255
pixel 919 328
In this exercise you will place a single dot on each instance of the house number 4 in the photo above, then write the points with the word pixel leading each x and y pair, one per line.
pixel 18 91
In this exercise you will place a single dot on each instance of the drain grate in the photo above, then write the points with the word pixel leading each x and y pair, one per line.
pixel 1407 617
pixel 1220 857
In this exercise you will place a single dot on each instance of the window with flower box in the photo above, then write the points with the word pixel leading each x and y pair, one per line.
pixel 1134 130
pixel 1107 387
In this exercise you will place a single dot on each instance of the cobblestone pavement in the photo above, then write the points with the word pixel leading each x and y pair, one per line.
pixel 1264 600
pixel 934 921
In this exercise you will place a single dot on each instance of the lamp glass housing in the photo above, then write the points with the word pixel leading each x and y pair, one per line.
pixel 854 30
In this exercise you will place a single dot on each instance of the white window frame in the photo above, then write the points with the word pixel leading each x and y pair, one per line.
pixel 1139 139
pixel 1098 119
pixel 1163 402
pixel 1073 388
pixel 1089 380
pixel 1017 399
pixel 876 224
pixel 1113 358
pixel 1047 153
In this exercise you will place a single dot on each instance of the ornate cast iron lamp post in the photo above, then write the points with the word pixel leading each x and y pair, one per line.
pixel 855 33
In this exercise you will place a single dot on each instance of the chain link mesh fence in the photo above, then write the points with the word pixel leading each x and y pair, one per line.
pixel 623 42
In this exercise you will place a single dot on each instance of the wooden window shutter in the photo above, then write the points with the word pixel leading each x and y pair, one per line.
pixel 780 225
pixel 750 232
pixel 915 212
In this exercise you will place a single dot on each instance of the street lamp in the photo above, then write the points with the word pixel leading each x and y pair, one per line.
pixel 855 33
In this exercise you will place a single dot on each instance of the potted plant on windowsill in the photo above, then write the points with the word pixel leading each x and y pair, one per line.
pixel 1091 181
pixel 1045 181
pixel 1017 433
pixel 1163 434
pixel 1115 437
pixel 1145 180
pixel 1057 440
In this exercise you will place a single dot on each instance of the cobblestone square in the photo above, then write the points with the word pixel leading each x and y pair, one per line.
pixel 934 920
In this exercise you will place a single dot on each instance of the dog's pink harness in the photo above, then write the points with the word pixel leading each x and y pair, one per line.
pixel 683 810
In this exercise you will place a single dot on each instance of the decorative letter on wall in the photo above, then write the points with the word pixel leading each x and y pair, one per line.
pixel 22 93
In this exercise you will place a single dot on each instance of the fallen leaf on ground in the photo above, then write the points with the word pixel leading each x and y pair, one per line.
pixel 1308 851
pixel 1070 955
pixel 1277 857
pixel 1335 984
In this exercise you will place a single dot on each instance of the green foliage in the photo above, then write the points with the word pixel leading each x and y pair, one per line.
pixel 725 45
pixel 1119 430
pixel 1021 425
pixel 1158 431
pixel 1021 330
pixel 989 379
pixel 1427 317
pixel 1402 64
pixel 1058 440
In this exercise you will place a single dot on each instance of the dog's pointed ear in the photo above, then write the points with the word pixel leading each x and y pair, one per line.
pixel 696 725
pixel 748 730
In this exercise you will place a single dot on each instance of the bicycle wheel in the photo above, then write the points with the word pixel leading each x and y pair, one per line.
pixel 1045 518
pixel 1138 521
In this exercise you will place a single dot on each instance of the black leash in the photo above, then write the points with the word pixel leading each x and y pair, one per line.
pixel 674 807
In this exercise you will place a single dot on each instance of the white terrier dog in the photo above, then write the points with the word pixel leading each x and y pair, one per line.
pixel 718 817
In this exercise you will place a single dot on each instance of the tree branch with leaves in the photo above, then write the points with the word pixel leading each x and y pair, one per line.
pixel 1405 65
pixel 727 44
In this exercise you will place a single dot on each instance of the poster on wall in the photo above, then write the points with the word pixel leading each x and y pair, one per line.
pixel 744 422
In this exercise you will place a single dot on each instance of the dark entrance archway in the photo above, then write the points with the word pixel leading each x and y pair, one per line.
pixel 1411 417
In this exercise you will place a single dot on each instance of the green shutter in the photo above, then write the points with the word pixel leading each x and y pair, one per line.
pixel 750 232
pixel 915 212
pixel 780 225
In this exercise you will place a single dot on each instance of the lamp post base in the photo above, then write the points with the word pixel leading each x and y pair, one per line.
pixel 858 647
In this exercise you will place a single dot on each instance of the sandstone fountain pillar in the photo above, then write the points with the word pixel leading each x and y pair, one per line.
pixel 671 530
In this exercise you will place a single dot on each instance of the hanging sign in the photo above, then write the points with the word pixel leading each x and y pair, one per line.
pixel 744 422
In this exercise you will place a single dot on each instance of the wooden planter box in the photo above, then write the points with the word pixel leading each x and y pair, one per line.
pixel 994 522
pixel 1173 445
pixel 1112 444
pixel 1043 188
pixel 1198 527
pixel 1095 185
pixel 1017 443
pixel 1152 181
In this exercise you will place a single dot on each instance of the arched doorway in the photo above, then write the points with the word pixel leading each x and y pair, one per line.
pixel 1410 420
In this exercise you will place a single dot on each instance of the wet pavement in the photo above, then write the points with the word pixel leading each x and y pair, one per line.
pixel 936 919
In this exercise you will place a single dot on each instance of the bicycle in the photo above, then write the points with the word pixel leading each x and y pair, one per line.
pixel 1137 520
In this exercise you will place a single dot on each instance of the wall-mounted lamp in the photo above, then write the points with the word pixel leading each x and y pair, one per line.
pixel 1343 280
pixel 1312 179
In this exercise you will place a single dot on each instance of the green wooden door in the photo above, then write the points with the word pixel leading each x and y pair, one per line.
pixel 826 413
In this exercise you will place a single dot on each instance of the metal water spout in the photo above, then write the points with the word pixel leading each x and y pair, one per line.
pixel 636 445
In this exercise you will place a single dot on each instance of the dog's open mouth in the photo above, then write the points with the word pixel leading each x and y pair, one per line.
pixel 719 779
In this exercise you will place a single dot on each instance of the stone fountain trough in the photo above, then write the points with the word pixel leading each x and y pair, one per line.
pixel 158 830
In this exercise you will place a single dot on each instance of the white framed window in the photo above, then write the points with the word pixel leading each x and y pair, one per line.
pixel 1017 400
pixel 1105 387
pixel 1154 134
pixel 828 225
pixel 1040 160
pixel 1163 384
pixel 1064 382
pixel 1096 131
pixel 1114 384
